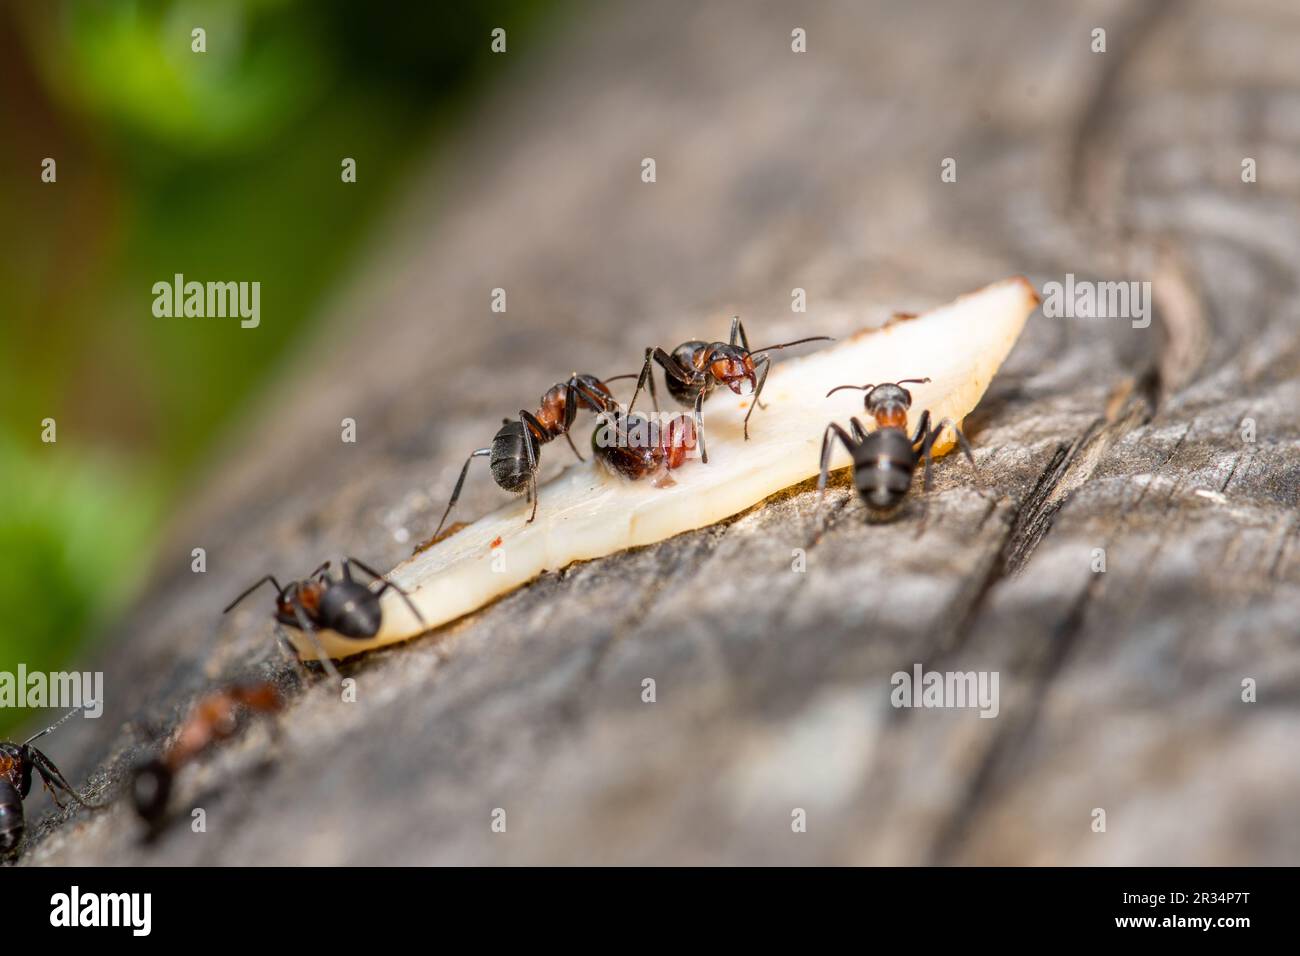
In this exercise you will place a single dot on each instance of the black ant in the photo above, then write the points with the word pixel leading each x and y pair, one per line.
pixel 320 602
pixel 884 459
pixel 214 718
pixel 516 448
pixel 694 369
pixel 16 764
pixel 632 446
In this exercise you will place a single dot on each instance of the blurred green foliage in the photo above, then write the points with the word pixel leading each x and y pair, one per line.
pixel 222 165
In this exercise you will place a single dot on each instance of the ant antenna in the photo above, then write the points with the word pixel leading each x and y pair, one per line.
pixel 786 345
pixel 56 725
pixel 253 587
pixel 867 388
pixel 863 388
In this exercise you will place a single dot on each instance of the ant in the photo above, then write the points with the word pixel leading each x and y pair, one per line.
pixel 883 461
pixel 16 764
pixel 694 369
pixel 214 718
pixel 321 602
pixel 516 448
pixel 634 447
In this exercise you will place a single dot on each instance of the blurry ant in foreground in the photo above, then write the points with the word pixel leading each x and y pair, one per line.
pixel 516 448
pixel 320 602
pixel 16 764
pixel 216 717
pixel 884 459
pixel 635 447
pixel 694 369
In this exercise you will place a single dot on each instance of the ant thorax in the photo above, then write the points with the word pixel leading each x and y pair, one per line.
pixel 309 594
pixel 551 411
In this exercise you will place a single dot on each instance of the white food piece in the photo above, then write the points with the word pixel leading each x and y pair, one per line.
pixel 587 512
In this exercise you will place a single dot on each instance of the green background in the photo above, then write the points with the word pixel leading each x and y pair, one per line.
pixel 222 165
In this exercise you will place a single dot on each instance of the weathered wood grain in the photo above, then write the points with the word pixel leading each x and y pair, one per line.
pixel 1119 690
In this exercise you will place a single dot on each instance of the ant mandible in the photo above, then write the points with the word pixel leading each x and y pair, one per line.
pixel 884 459
pixel 634 447
pixel 321 602
pixel 214 718
pixel 516 448
pixel 17 761
pixel 694 369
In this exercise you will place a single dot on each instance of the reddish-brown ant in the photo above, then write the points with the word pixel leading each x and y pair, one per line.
pixel 884 459
pixel 321 602
pixel 634 447
pixel 216 717
pixel 694 369
pixel 17 761
pixel 516 448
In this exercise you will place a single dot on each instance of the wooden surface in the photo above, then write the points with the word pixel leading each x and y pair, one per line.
pixel 1119 690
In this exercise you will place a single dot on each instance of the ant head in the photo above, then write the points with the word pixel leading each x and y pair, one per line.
pixel 733 367
pixel 886 396
pixel 350 608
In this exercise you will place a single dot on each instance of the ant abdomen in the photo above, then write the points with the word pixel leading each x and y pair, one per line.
pixel 882 468
pixel 351 609
pixel 509 463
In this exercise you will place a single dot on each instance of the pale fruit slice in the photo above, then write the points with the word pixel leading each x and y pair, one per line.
pixel 586 513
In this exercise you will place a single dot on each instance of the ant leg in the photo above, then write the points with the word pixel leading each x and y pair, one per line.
pixel 928 447
pixel 286 645
pixel 927 452
pixel 386 584
pixel 527 420
pixel 699 427
pixel 257 584
pixel 922 428
pixel 531 423
pixel 646 377
pixel 479 453
pixel 569 439
pixel 832 431
pixel 571 412
pixel 961 439
pixel 309 629
pixel 762 380
pixel 670 365
pixel 859 432
pixel 54 780
pixel 738 329
pixel 824 471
